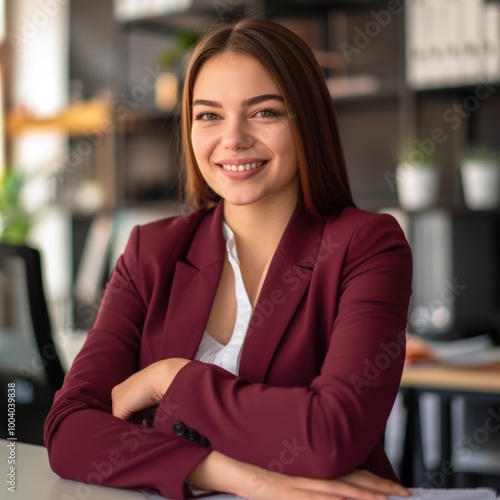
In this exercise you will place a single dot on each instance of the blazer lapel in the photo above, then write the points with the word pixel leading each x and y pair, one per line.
pixel 193 289
pixel 286 281
pixel 196 280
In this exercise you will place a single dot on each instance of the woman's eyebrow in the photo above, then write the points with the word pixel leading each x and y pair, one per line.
pixel 261 98
pixel 251 101
pixel 206 102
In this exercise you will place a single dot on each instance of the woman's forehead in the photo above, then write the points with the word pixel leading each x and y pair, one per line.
pixel 231 75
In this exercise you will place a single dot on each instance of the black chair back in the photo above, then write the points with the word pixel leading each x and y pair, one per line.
pixel 28 354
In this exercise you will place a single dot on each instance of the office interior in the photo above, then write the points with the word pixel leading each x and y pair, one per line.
pixel 89 127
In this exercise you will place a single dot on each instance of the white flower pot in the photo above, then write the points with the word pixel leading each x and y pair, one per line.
pixel 417 186
pixel 481 184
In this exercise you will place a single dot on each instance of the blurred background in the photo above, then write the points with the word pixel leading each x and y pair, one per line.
pixel 89 148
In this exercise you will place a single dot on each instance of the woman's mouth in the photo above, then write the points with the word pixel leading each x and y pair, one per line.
pixel 243 166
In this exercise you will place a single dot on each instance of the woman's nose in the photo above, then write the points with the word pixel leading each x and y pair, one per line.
pixel 236 136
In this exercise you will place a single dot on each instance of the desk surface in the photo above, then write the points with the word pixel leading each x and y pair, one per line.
pixel 434 375
pixel 35 480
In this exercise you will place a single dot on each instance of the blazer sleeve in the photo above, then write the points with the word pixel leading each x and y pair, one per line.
pixel 330 427
pixel 84 440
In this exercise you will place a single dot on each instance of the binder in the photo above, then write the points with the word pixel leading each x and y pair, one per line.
pixel 415 56
pixel 473 37
pixel 451 34
pixel 492 40
pixel 451 42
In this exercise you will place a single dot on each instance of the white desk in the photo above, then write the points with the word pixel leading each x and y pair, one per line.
pixel 36 481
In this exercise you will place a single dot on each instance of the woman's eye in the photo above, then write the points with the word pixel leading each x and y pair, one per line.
pixel 206 116
pixel 267 113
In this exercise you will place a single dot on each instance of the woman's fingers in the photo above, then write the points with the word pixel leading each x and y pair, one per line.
pixel 137 392
pixel 338 488
pixel 370 481
pixel 358 486
pixel 145 388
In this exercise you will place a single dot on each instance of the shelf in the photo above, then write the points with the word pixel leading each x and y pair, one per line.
pixel 194 17
pixel 363 87
pixel 482 462
pixel 144 115
pixel 201 12
pixel 75 120
pixel 455 87
pixel 326 4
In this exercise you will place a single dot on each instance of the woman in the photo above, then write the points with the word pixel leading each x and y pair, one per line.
pixel 255 345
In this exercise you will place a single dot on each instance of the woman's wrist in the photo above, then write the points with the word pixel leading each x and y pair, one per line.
pixel 218 472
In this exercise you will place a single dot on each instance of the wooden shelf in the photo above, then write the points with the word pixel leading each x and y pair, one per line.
pixel 75 120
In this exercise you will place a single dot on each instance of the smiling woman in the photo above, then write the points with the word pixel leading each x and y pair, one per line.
pixel 242 133
pixel 235 352
pixel 291 69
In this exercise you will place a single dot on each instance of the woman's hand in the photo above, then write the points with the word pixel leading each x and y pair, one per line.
pixel 366 480
pixel 358 485
pixel 218 472
pixel 145 388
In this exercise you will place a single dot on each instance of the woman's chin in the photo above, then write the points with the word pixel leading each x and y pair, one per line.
pixel 241 201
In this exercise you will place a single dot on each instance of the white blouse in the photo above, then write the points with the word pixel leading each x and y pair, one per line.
pixel 228 356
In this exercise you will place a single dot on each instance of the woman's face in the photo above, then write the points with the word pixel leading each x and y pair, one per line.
pixel 241 133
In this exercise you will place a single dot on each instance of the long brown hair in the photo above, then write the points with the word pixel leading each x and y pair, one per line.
pixel 323 175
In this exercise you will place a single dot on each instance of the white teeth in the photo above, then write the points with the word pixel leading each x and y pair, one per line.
pixel 243 167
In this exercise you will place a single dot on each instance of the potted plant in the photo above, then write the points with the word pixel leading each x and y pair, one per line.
pixel 480 173
pixel 417 178
pixel 15 222
pixel 168 83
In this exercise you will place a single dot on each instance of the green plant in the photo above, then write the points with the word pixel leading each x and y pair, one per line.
pixel 418 153
pixel 182 43
pixel 14 221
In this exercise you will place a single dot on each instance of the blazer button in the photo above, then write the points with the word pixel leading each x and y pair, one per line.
pixel 192 435
pixel 179 428
pixel 148 422
pixel 203 441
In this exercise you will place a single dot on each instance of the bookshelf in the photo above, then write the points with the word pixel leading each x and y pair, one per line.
pixel 378 103
pixel 366 62
pixel 75 120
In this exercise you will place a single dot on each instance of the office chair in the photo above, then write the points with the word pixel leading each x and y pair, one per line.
pixel 28 355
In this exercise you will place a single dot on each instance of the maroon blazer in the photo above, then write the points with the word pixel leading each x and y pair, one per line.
pixel 319 369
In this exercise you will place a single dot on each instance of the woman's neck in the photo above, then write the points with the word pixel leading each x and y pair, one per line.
pixel 258 227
